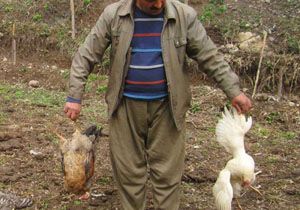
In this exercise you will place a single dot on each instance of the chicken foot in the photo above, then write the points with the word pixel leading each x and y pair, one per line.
pixel 255 190
pixel 238 203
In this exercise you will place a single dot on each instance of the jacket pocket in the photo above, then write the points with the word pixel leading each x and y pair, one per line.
pixel 115 37
pixel 180 45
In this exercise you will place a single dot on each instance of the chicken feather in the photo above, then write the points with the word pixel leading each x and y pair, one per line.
pixel 230 132
pixel 78 159
pixel 222 191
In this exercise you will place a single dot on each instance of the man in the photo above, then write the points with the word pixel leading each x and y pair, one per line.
pixel 148 91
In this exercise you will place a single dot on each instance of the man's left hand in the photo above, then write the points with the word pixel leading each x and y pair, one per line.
pixel 242 103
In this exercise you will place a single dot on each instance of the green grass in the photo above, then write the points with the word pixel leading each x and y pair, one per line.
pixel 86 2
pixel 94 112
pixel 293 44
pixel 261 131
pixel 37 17
pixel 39 97
pixel 77 202
pixel 288 135
pixel 195 108
pixel 52 138
pixel 104 180
pixel 101 89
pixel 272 117
pixel 2 185
pixel 3 160
pixel 215 7
pixel 44 205
pixel 3 118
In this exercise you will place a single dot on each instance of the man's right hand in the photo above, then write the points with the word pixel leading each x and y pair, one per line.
pixel 72 110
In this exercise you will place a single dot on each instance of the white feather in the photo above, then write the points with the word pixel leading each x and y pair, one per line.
pixel 222 191
pixel 231 130
pixel 78 142
pixel 242 169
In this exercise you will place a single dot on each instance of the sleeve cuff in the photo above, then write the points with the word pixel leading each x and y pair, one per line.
pixel 73 100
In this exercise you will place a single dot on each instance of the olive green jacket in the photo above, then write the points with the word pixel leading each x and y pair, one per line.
pixel 182 34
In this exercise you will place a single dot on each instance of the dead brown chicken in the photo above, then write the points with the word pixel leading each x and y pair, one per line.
pixel 78 159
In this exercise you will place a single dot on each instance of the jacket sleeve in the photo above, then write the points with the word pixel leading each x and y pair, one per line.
pixel 89 54
pixel 201 49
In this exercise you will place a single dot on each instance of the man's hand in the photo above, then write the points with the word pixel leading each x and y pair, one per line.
pixel 242 103
pixel 72 110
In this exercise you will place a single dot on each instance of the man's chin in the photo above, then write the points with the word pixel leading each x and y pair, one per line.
pixel 154 12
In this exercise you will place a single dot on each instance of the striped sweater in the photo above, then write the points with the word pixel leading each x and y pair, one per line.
pixel 146 78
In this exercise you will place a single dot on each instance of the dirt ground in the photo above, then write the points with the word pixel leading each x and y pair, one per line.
pixel 30 156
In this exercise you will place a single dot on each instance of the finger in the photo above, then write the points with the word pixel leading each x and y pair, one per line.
pixel 66 108
pixel 238 108
pixel 244 109
pixel 69 113
pixel 74 115
pixel 247 107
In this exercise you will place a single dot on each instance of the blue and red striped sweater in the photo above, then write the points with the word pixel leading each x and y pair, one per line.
pixel 146 78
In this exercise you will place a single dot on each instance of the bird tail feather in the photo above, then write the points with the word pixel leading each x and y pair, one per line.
pixel 92 131
pixel 222 191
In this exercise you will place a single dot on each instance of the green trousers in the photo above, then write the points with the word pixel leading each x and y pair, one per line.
pixel 143 136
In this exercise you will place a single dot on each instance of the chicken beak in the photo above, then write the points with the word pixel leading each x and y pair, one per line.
pixel 246 183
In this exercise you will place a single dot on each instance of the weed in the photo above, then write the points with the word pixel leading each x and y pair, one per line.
pixel 217 1
pixel 28 2
pixel 44 205
pixel 211 129
pixel 77 202
pixel 273 158
pixel 65 73
pixel 37 17
pixel 86 2
pixel 45 31
pixel 207 14
pixel 52 138
pixel 261 131
pixel 244 25
pixel 3 160
pixel 8 8
pixel 195 108
pixel 103 77
pixel 39 97
pixel 272 117
pixel 23 69
pixel 88 87
pixel 3 118
pixel 288 135
pixel 46 6
pixel 2 185
pixel 103 180
pixel 215 7
pixel 93 77
pixel 101 89
pixel 221 9
pixel 293 45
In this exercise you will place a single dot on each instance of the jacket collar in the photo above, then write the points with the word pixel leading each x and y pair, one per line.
pixel 127 5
